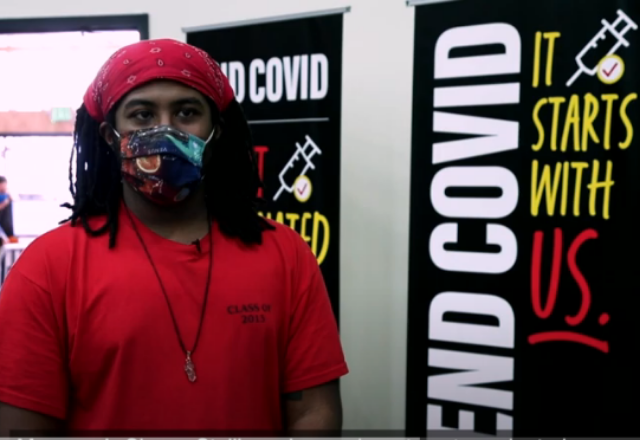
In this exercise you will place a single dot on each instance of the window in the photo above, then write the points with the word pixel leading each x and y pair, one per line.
pixel 42 82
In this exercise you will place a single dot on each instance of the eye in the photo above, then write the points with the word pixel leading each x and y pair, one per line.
pixel 188 113
pixel 142 115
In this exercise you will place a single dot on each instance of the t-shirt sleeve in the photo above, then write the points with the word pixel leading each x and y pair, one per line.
pixel 314 353
pixel 32 344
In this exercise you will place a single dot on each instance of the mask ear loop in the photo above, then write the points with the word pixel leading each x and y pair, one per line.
pixel 210 136
pixel 213 132
pixel 117 135
pixel 118 139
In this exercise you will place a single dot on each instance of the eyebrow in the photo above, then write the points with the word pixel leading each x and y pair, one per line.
pixel 148 103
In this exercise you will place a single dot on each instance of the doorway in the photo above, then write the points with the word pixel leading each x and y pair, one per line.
pixel 48 65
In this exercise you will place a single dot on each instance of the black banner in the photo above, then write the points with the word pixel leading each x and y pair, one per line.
pixel 525 187
pixel 287 76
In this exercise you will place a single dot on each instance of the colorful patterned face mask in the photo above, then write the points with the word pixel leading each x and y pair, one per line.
pixel 162 163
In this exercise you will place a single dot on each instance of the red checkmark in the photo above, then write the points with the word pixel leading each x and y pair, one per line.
pixel 301 190
pixel 610 71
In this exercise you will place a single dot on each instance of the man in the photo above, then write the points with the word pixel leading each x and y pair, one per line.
pixel 167 303
pixel 6 211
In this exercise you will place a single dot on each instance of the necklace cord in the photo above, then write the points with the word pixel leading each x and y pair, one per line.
pixel 189 353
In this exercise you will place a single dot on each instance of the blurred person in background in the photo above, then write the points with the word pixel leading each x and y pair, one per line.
pixel 166 303
pixel 6 211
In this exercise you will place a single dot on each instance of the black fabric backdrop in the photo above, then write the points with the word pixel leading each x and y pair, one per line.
pixel 296 100
pixel 572 368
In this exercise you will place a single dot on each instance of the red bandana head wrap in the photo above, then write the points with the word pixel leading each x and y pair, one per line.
pixel 140 63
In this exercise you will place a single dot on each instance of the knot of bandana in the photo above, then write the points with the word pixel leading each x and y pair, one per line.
pixel 145 61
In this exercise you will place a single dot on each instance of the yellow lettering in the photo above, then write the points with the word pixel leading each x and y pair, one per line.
pixel 565 188
pixel 536 60
pixel 303 226
pixel 572 121
pixel 320 220
pixel 556 101
pixel 579 167
pixel 581 126
pixel 319 236
pixel 595 185
pixel 544 186
pixel 608 98
pixel 293 218
pixel 539 126
pixel 551 36
pixel 591 108
pixel 625 119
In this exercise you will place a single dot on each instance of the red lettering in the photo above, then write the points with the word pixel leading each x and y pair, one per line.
pixel 579 338
pixel 544 311
pixel 585 304
pixel 536 263
pixel 260 152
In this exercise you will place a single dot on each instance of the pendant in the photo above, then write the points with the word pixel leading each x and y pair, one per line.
pixel 190 368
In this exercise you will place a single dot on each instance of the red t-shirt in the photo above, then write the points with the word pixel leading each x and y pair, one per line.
pixel 86 334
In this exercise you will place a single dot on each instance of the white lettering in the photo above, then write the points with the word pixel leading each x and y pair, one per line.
pixel 475 369
pixel 475 207
pixel 304 75
pixel 451 313
pixel 237 79
pixel 478 304
pixel 319 76
pixel 474 262
pixel 274 79
pixel 466 420
pixel 292 78
pixel 504 423
pixel 498 136
pixel 256 93
pixel 485 65
pixel 465 96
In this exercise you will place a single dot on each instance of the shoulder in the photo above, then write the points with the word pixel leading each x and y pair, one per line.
pixel 282 256
pixel 53 242
pixel 294 254
pixel 56 240
pixel 287 241
pixel 281 231
pixel 52 250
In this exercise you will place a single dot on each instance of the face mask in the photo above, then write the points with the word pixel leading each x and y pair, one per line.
pixel 162 163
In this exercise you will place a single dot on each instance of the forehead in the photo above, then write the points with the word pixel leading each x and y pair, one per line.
pixel 163 92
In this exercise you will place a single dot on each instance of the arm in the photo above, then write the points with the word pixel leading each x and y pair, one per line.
pixel 6 217
pixel 316 410
pixel 33 375
pixel 314 359
pixel 16 422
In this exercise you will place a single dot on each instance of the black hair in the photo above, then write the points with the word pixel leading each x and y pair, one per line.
pixel 231 178
pixel 3 179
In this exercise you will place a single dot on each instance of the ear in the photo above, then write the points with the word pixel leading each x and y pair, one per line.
pixel 106 132
pixel 218 132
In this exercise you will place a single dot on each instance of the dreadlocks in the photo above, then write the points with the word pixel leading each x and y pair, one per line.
pixel 231 178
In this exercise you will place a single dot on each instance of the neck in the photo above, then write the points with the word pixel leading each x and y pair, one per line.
pixel 185 222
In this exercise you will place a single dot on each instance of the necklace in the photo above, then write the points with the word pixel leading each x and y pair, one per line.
pixel 189 366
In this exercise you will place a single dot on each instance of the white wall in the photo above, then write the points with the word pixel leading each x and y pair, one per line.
pixel 378 63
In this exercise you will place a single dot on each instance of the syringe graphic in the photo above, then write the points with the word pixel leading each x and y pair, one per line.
pixel 301 153
pixel 606 27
